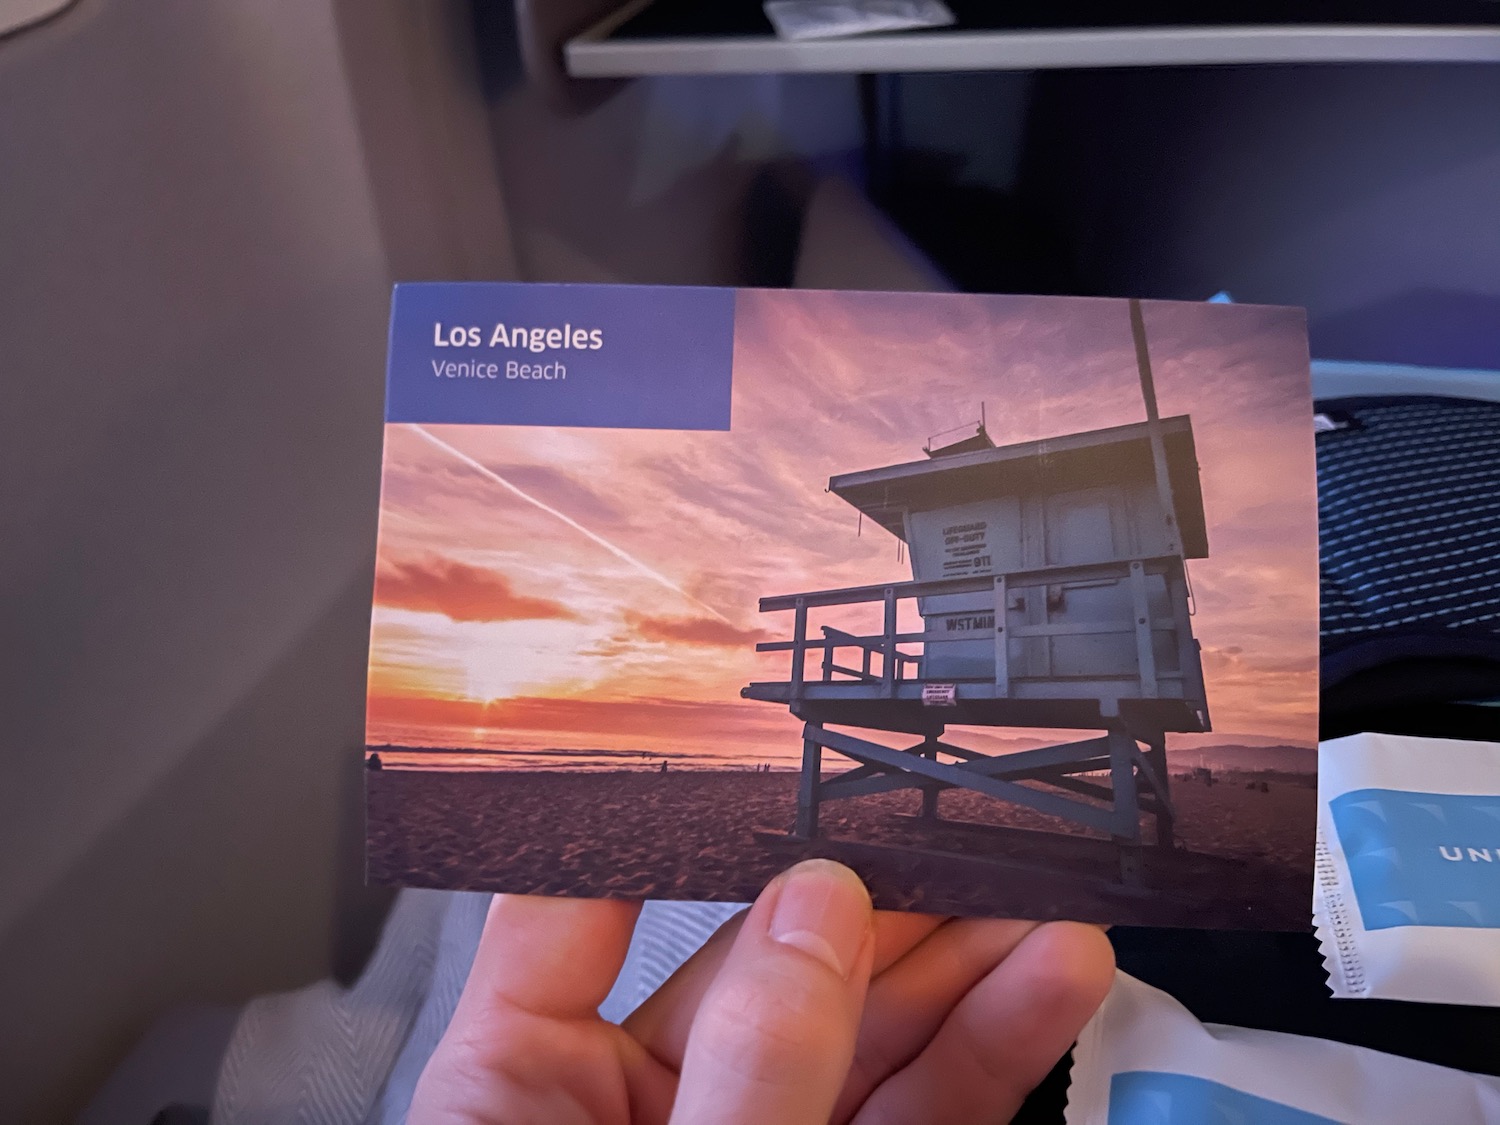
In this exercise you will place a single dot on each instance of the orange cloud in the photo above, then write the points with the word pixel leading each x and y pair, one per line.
pixel 630 718
pixel 693 631
pixel 432 584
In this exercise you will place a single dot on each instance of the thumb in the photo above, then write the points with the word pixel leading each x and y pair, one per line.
pixel 774 1036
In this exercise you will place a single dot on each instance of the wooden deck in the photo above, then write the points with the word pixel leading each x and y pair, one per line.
pixel 876 679
pixel 1096 706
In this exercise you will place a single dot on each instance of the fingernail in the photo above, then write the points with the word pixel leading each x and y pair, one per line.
pixel 824 910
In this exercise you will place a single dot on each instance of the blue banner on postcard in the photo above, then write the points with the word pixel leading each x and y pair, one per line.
pixel 1149 1097
pixel 1421 859
pixel 620 356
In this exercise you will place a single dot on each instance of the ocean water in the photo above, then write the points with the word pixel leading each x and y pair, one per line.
pixel 422 758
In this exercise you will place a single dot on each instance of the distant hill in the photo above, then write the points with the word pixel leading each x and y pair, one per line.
pixel 1248 759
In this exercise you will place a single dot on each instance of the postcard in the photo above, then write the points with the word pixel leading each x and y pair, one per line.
pixel 1010 603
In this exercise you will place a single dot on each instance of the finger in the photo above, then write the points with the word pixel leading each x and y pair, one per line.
pixel 911 999
pixel 551 957
pixel 663 1021
pixel 1003 1037
pixel 513 1049
pixel 896 935
pixel 775 1031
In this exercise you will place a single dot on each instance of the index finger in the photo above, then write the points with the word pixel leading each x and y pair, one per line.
pixel 519 1039
pixel 556 958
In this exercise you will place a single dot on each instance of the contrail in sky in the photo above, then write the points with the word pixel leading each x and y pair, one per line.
pixel 619 553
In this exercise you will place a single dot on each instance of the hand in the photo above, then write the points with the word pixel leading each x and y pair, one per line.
pixel 807 1009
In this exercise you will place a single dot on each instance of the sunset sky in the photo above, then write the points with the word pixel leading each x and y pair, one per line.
pixel 592 588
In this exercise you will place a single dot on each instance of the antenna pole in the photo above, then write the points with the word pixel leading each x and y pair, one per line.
pixel 1153 426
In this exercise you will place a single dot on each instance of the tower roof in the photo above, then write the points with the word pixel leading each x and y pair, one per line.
pixel 1051 465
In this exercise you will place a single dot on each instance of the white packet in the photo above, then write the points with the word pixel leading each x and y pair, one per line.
pixel 833 19
pixel 1145 1060
pixel 1406 903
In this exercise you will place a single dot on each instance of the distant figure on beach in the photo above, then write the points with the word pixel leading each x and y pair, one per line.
pixel 373 762
pixel 664 767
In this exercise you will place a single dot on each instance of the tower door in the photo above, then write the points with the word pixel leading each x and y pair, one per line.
pixel 1087 525
pixel 1082 527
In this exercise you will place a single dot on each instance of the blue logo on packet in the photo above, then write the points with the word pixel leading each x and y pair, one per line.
pixel 620 356
pixel 1149 1097
pixel 1421 859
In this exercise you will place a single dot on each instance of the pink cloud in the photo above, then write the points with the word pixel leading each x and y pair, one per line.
pixel 693 630
pixel 433 584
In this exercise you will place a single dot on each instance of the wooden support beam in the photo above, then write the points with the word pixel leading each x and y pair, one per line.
pixel 1125 818
pixel 1157 781
pixel 1166 811
pixel 959 778
pixel 856 774
pixel 1063 754
pixel 1052 775
pixel 930 789
pixel 961 752
pixel 867 786
pixel 866 780
pixel 1083 788
pixel 799 648
pixel 889 671
pixel 1082 765
pixel 807 786
pixel 853 673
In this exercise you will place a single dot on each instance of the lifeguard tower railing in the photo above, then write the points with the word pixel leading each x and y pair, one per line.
pixel 875 667
pixel 875 680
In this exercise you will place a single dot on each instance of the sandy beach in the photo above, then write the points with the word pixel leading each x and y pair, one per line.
pixel 1246 859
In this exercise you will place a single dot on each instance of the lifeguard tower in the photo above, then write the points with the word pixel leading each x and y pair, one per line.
pixel 1050 581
